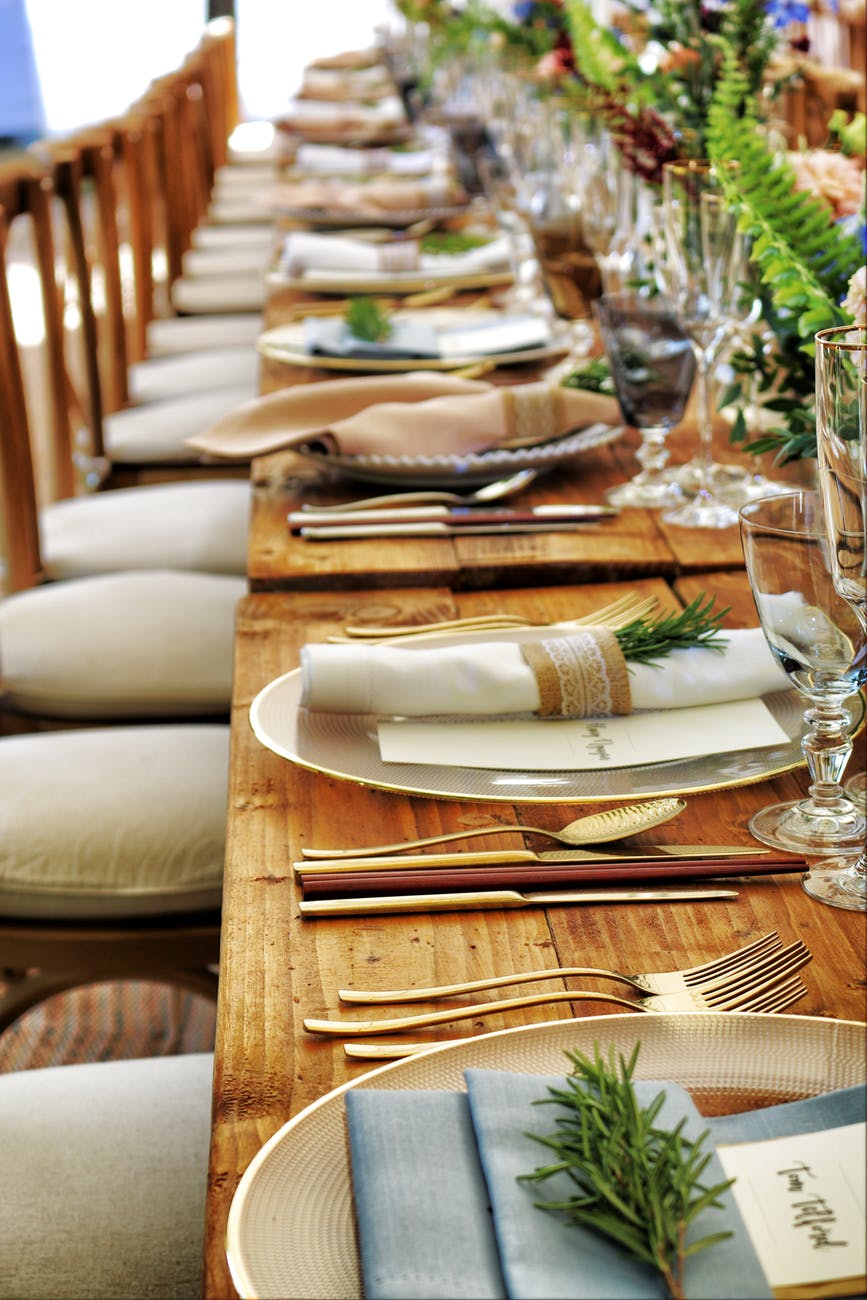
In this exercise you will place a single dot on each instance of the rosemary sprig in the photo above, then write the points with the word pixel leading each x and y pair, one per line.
pixel 636 1183
pixel 594 377
pixel 452 241
pixel 645 640
pixel 367 320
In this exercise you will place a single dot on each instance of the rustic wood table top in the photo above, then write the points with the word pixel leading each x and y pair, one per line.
pixel 277 968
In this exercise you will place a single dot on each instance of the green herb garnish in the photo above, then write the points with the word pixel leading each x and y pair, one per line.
pixel 647 639
pixel 595 377
pixel 452 241
pixel 636 1183
pixel 368 321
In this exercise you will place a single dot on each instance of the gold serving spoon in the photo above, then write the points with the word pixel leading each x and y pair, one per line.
pixel 597 828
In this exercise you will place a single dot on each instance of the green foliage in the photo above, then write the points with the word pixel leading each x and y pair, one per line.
pixel 452 241
pixel 646 640
pixel 635 1182
pixel 594 377
pixel 367 320
pixel 804 259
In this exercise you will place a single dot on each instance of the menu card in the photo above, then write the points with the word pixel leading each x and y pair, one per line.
pixel 803 1199
pixel 585 744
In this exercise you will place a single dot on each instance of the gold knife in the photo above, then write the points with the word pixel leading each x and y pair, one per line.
pixel 506 898
pixel 499 857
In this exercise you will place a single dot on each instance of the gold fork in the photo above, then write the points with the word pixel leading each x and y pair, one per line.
pixel 753 958
pixel 772 997
pixel 762 995
pixel 614 615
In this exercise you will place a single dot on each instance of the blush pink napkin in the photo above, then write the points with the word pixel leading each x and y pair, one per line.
pixel 384 195
pixel 412 414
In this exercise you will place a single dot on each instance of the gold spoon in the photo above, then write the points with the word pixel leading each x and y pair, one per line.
pixel 597 828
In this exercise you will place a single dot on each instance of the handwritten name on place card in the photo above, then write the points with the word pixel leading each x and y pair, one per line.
pixel 585 744
pixel 802 1199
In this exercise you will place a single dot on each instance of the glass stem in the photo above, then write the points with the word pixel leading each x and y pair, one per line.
pixel 827 747
pixel 705 417
pixel 653 454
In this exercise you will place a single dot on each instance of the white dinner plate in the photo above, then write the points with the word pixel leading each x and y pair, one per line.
pixel 344 745
pixel 287 343
pixel 460 471
pixel 291 1229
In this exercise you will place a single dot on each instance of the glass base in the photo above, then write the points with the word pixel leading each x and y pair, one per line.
pixel 856 789
pixel 695 475
pixel 753 487
pixel 838 882
pixel 703 511
pixel 651 493
pixel 797 828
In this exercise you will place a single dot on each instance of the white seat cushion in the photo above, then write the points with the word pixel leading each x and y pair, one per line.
pixel 190 334
pixel 157 431
pixel 207 237
pixel 242 209
pixel 203 296
pixel 241 260
pixel 113 822
pixel 103 1178
pixel 199 526
pixel 243 177
pixel 140 645
pixel 161 377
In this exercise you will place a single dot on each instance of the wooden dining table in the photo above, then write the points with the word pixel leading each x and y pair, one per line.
pixel 278 967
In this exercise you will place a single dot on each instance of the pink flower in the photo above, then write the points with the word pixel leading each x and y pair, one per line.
pixel 855 302
pixel 835 178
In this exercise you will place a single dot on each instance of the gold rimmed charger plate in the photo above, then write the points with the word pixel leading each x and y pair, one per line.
pixel 344 746
pixel 291 1228
pixel 286 343
pixel 344 282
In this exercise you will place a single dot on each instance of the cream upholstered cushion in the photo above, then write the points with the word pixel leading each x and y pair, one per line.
pixel 158 431
pixel 214 237
pixel 151 644
pixel 103 1178
pixel 241 260
pixel 179 334
pixel 238 367
pixel 230 179
pixel 202 295
pixel 200 526
pixel 113 821
pixel 253 208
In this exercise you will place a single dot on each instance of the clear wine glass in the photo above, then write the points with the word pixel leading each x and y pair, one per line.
pixel 841 430
pixel 820 643
pixel 653 368
pixel 703 274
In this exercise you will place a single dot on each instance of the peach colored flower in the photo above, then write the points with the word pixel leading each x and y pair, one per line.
pixel 835 178
pixel 855 302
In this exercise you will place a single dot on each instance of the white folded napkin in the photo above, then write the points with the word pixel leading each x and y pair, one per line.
pixel 305 250
pixel 579 675
pixel 343 160
pixel 377 197
pixel 331 115
pixel 346 83
pixel 412 338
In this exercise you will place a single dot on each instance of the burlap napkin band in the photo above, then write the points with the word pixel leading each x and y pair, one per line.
pixel 580 676
pixel 532 413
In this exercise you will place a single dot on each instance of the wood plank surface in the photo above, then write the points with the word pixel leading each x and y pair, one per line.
pixel 277 968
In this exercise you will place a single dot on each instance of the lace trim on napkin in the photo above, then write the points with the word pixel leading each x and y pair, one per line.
pixel 532 413
pixel 580 676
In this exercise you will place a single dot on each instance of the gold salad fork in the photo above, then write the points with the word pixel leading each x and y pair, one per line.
pixel 753 959
pixel 617 614
pixel 760 993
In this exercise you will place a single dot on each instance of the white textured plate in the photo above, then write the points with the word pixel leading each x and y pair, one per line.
pixel 286 343
pixel 291 1229
pixel 474 468
pixel 344 745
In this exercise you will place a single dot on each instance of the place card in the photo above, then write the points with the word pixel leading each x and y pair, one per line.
pixel 803 1200
pixel 584 744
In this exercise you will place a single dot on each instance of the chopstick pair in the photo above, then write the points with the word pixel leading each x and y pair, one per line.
pixel 360 878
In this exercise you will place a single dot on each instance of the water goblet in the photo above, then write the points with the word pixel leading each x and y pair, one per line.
pixel 822 646
pixel 841 434
pixel 703 274
pixel 653 368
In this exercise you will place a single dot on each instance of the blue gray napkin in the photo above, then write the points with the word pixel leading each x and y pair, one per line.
pixel 440 1213
pixel 421 340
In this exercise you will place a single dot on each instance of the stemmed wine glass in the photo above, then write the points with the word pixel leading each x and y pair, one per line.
pixel 814 634
pixel 653 368
pixel 704 273
pixel 841 429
